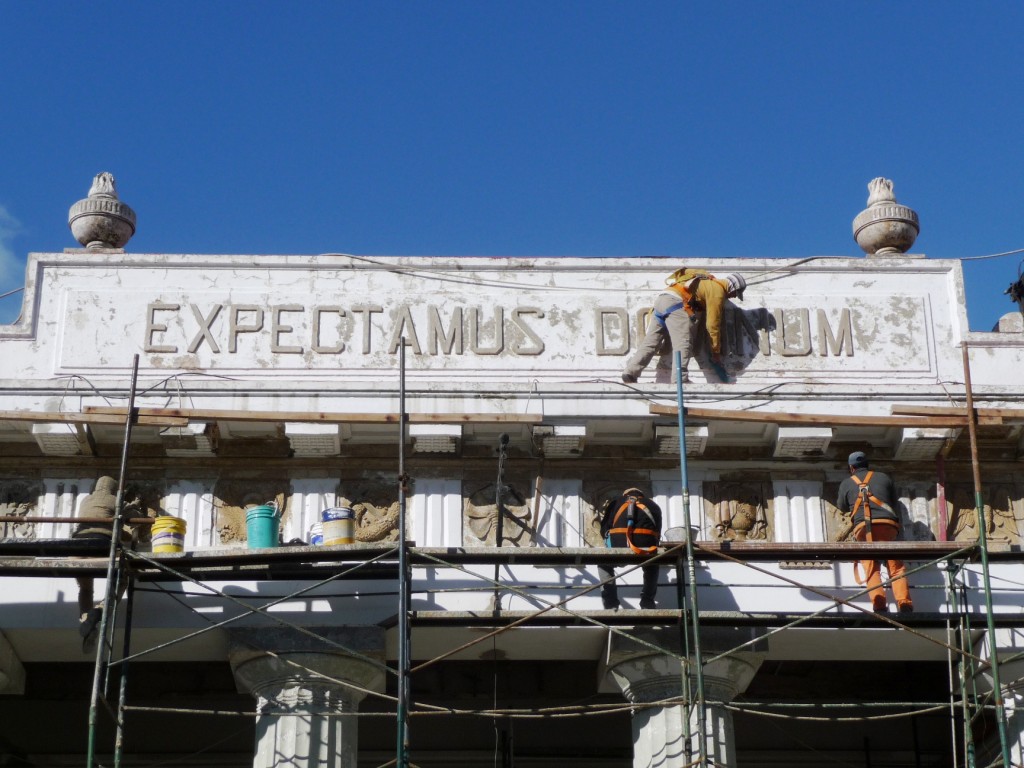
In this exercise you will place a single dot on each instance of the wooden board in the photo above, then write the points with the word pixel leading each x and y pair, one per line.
pixel 201 414
pixel 823 419
pixel 115 417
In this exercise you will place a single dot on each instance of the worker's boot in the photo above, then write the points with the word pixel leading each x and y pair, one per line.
pixel 879 605
pixel 88 628
pixel 906 607
pixel 89 621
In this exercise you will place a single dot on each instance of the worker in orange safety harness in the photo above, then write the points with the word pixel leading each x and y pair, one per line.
pixel 691 295
pixel 869 496
pixel 631 520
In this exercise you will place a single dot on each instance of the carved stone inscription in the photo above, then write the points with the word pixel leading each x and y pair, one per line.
pixel 294 329
pixel 230 320
pixel 365 329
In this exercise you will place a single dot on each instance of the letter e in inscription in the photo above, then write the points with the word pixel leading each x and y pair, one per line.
pixel 152 326
pixel 277 328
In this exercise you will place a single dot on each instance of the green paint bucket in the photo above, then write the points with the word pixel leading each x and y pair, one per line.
pixel 261 525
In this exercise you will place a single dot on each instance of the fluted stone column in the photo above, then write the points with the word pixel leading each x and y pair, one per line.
pixel 1015 727
pixel 12 673
pixel 303 690
pixel 646 676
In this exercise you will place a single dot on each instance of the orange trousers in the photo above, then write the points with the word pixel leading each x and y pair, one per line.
pixel 872 569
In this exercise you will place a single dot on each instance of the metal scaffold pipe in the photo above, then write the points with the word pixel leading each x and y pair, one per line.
pixel 997 691
pixel 691 573
pixel 404 699
pixel 109 600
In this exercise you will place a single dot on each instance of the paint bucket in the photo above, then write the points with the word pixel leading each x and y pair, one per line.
pixel 316 534
pixel 339 525
pixel 168 534
pixel 261 525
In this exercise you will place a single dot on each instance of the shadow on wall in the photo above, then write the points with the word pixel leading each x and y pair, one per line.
pixel 741 344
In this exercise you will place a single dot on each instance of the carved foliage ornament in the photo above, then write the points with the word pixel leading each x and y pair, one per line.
pixel 481 516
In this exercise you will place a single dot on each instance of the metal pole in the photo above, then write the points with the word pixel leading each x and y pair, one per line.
pixel 691 569
pixel 499 510
pixel 129 604
pixel 109 597
pixel 972 428
pixel 961 637
pixel 499 489
pixel 404 699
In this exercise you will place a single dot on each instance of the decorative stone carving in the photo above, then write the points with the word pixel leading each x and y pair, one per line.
pixel 144 498
pixel 737 511
pixel 838 525
pixel 234 497
pixel 101 220
pixel 375 523
pixel 481 516
pixel 885 227
pixel 18 499
pixel 592 511
pixel 374 501
pixel 1004 514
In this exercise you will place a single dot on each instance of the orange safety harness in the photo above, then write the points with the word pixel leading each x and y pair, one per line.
pixel 688 295
pixel 630 506
pixel 865 498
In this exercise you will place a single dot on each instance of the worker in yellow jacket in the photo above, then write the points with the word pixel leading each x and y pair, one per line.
pixel 692 294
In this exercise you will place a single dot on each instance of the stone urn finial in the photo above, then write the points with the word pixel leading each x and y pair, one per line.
pixel 885 227
pixel 101 220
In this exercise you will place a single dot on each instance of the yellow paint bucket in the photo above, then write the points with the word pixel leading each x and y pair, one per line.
pixel 339 525
pixel 168 534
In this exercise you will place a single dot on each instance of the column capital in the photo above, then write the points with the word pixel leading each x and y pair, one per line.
pixel 307 689
pixel 291 670
pixel 646 674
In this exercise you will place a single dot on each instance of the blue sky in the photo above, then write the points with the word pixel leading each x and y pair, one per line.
pixel 530 128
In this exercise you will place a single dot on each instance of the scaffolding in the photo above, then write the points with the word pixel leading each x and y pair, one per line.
pixel 125 569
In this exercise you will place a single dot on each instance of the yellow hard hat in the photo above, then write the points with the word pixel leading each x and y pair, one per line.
pixel 684 275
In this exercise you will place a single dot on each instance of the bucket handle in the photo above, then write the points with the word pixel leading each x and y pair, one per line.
pixel 273 505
